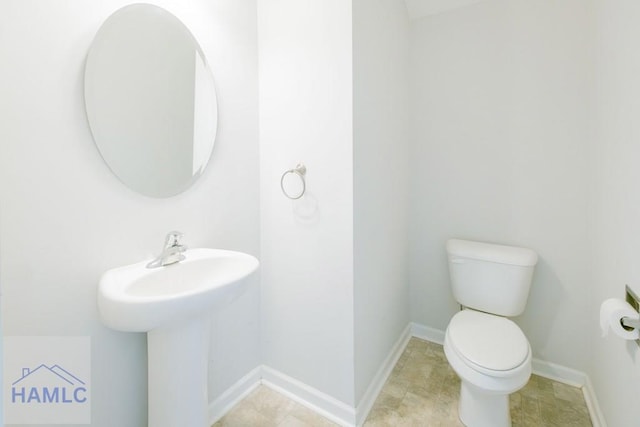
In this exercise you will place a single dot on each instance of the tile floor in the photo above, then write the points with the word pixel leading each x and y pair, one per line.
pixel 421 391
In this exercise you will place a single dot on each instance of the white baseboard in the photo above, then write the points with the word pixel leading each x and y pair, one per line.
pixel 426 333
pixel 313 399
pixel 558 373
pixel 234 395
pixel 597 418
pixel 319 402
pixel 325 405
pixel 370 396
pixel 347 416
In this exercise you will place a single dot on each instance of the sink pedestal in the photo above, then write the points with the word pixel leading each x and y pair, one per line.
pixel 177 371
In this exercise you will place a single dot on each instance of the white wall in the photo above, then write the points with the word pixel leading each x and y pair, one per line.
pixel 501 111
pixel 501 128
pixel 381 187
pixel 64 218
pixel 615 364
pixel 305 69
pixel 422 8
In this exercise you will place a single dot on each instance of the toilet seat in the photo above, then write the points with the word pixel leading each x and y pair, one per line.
pixel 492 357
pixel 490 344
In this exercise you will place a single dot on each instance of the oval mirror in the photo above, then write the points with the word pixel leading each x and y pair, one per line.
pixel 150 100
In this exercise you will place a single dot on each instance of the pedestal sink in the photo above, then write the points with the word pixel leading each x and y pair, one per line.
pixel 172 304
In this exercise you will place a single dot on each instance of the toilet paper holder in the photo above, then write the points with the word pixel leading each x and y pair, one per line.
pixel 634 301
pixel 630 323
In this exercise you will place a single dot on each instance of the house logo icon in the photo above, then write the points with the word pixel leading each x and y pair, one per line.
pixel 48 385
pixel 47 380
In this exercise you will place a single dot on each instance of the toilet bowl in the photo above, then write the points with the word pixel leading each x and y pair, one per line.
pixel 492 357
pixel 488 351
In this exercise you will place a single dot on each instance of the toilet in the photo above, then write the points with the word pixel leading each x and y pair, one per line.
pixel 488 351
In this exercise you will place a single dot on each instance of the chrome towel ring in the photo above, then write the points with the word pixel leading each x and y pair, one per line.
pixel 300 170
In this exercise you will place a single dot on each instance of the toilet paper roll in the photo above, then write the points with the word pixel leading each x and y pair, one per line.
pixel 611 312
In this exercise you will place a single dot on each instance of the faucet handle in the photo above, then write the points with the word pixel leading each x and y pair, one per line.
pixel 173 239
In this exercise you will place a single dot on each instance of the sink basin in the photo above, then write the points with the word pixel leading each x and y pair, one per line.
pixel 173 305
pixel 134 298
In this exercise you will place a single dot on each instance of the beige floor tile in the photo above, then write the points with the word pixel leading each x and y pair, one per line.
pixel 291 421
pixel 243 417
pixel 396 386
pixel 270 404
pixel 566 392
pixel 422 391
pixel 310 417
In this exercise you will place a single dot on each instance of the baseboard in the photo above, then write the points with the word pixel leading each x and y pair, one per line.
pixel 558 373
pixel 325 405
pixel 319 402
pixel 347 416
pixel 234 395
pixel 597 418
pixel 426 333
pixel 370 396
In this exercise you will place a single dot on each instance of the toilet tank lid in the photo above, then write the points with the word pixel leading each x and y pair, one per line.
pixel 502 254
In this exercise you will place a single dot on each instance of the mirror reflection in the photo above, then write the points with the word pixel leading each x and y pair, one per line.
pixel 150 100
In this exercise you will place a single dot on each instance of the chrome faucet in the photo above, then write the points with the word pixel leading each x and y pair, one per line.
pixel 172 252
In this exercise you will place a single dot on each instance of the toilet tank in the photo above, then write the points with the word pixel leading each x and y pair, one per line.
pixel 490 278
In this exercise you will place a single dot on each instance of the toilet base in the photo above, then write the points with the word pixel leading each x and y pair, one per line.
pixel 477 408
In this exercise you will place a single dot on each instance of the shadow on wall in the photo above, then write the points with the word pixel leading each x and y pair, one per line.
pixel 306 210
pixel 547 293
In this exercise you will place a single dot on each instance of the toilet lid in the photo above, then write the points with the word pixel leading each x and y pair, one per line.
pixel 489 341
